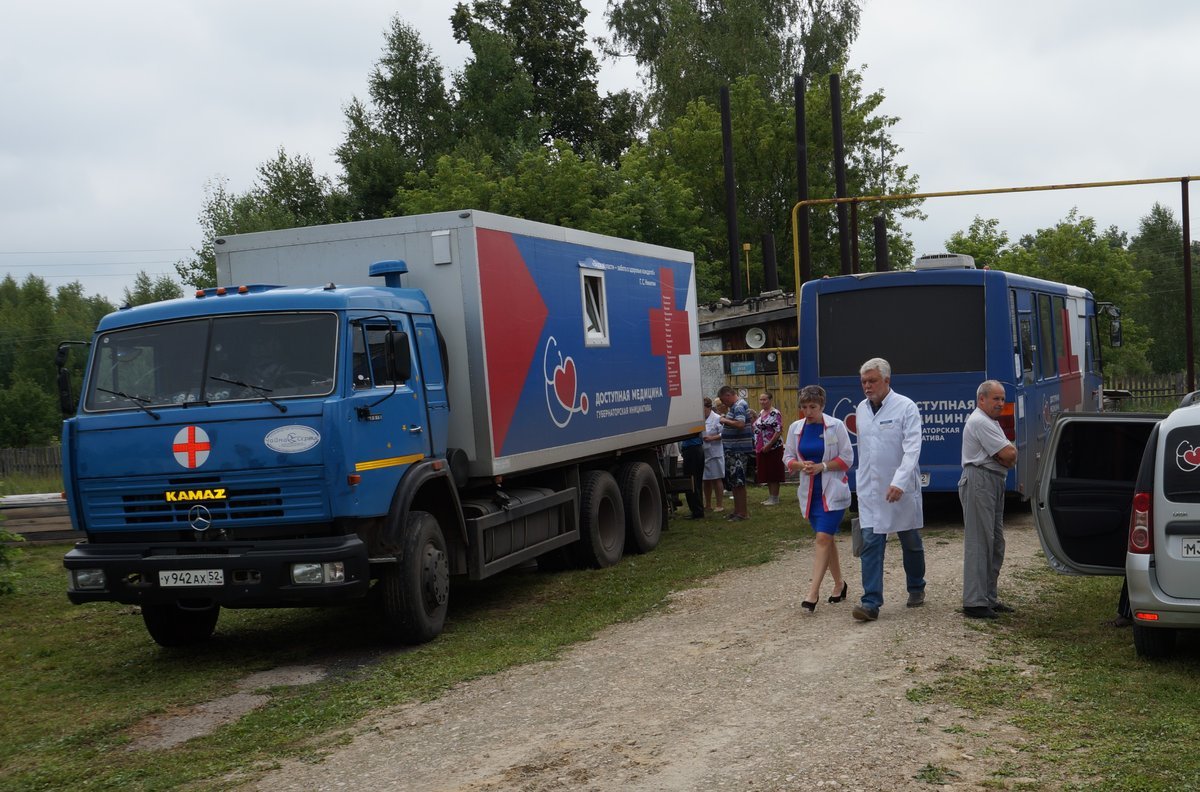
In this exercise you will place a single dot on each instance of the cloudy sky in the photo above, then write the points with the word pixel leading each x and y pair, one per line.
pixel 116 115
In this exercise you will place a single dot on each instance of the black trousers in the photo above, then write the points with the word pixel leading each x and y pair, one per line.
pixel 693 467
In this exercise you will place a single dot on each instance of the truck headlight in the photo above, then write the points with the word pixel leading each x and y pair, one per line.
pixel 88 580
pixel 317 573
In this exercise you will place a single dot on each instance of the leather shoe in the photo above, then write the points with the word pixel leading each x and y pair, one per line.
pixel 1000 607
pixel 916 598
pixel 864 613
pixel 979 612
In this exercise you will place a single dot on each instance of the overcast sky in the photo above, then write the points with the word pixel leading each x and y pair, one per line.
pixel 115 115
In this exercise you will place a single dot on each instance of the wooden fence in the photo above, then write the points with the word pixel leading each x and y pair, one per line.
pixel 37 462
pixel 1160 387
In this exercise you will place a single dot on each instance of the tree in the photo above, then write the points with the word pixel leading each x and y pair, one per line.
pixel 984 241
pixel 148 290
pixel 1072 251
pixel 765 159
pixel 688 49
pixel 29 415
pixel 288 193
pixel 1158 253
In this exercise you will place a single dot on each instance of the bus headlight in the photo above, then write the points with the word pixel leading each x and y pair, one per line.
pixel 317 573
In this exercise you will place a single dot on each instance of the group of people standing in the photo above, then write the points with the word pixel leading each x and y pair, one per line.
pixel 817 447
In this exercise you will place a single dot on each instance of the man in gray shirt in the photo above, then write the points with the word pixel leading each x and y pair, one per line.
pixel 986 457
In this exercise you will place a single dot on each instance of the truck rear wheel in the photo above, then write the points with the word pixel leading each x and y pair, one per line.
pixel 170 625
pixel 602 518
pixel 642 499
pixel 416 589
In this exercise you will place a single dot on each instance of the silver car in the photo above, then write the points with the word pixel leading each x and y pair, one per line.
pixel 1119 493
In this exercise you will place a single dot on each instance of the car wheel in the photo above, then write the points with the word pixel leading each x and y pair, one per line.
pixel 1153 642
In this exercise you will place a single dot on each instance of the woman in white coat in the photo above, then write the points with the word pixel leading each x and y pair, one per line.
pixel 818 448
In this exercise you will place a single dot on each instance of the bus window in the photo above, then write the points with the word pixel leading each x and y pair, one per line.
pixel 1046 324
pixel 1060 347
pixel 1094 362
pixel 1027 349
pixel 918 329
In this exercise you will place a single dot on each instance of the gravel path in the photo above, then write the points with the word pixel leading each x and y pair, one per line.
pixel 733 686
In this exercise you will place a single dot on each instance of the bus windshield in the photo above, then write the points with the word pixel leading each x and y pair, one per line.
pixel 251 357
pixel 918 329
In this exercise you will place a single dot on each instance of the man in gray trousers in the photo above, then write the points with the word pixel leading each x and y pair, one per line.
pixel 986 457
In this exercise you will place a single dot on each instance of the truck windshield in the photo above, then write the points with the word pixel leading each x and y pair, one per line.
pixel 225 358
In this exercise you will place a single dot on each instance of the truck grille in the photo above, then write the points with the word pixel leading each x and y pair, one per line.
pixel 263 497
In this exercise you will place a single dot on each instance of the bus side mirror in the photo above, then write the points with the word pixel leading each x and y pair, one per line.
pixel 399 359
pixel 1114 333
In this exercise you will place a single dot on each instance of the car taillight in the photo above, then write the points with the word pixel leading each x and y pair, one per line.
pixel 1008 421
pixel 1141 525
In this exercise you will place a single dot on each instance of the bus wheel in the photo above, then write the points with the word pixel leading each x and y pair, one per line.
pixel 602 520
pixel 171 625
pixel 642 498
pixel 416 589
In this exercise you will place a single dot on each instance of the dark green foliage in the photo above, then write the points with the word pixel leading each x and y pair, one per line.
pixel 32 323
pixel 1158 253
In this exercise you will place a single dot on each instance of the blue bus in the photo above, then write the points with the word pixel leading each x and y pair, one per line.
pixel 946 326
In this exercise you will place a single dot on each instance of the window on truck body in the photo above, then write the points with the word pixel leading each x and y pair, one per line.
pixel 1048 363
pixel 919 329
pixel 595 308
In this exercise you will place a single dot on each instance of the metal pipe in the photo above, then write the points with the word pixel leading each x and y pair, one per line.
pixel 731 226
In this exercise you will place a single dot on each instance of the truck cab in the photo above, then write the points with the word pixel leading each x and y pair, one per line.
pixel 245 448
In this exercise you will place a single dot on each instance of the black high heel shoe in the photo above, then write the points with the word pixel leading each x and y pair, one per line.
pixel 842 596
pixel 811 607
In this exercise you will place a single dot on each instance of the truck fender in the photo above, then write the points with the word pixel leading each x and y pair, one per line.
pixel 428 486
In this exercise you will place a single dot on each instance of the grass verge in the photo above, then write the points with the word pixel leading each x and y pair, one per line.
pixel 1091 714
pixel 80 680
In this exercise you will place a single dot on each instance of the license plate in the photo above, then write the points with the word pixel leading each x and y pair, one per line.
pixel 924 479
pixel 173 578
pixel 1191 547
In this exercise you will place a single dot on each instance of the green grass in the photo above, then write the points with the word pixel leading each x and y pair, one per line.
pixel 1094 716
pixel 19 484
pixel 79 680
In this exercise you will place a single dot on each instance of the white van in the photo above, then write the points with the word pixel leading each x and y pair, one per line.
pixel 1119 493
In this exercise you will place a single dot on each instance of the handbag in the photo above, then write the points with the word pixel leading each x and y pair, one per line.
pixel 856 538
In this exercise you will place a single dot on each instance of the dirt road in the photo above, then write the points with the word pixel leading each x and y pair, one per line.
pixel 734 686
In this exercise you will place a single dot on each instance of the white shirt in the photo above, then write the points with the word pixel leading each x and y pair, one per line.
pixel 982 439
pixel 889 453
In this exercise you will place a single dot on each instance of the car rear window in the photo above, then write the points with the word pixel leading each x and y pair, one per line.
pixel 1181 465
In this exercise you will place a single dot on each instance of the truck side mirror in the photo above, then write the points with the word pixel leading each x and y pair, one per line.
pixel 66 400
pixel 1114 333
pixel 399 359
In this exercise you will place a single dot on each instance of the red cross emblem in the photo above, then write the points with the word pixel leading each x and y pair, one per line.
pixel 670 335
pixel 191 446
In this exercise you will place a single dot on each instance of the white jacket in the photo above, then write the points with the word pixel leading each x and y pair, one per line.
pixel 835 484
pixel 889 454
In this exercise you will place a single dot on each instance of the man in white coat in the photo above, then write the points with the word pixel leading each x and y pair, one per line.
pixel 889 485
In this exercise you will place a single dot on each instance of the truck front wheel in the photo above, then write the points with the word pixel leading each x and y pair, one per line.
pixel 602 520
pixel 416 589
pixel 170 625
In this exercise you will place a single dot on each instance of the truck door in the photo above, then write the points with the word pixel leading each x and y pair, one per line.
pixel 387 418
pixel 1084 489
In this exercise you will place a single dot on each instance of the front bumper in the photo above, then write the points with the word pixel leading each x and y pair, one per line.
pixel 256 574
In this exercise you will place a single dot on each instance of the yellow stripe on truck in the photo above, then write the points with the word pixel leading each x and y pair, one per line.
pixel 376 464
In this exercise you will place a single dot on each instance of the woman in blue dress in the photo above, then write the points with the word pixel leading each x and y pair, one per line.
pixel 818 448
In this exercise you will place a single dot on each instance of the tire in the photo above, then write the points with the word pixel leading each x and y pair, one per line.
pixel 1153 643
pixel 416 589
pixel 170 625
pixel 642 499
pixel 602 520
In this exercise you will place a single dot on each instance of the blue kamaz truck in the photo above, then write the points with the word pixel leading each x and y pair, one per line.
pixel 390 404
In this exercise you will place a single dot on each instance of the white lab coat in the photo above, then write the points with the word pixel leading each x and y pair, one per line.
pixel 835 484
pixel 889 451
